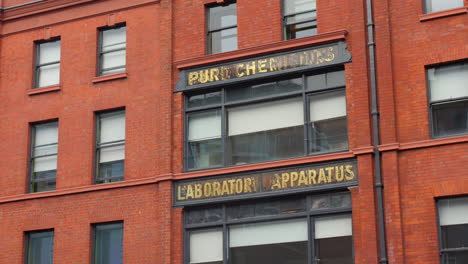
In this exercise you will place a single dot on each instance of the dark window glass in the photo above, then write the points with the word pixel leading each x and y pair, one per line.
pixel 44 157
pixel 47 64
pixel 264 90
pixel 455 257
pixel 440 5
pixel 266 131
pixel 266 208
pixel 299 18
pixel 204 215
pixel 40 247
pixel 328 201
pixel 326 80
pixel 110 148
pixel 112 50
pixel 204 137
pixel 222 28
pixel 448 99
pixel 108 243
pixel 328 123
pixel 207 99
pixel 453 220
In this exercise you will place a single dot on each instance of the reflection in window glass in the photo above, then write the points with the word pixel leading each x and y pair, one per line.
pixel 453 220
pixel 266 131
pixel 112 53
pixel 300 18
pixel 204 136
pixel 47 68
pixel 440 5
pixel 206 246
pixel 108 246
pixel 40 247
pixel 222 28
pixel 264 90
pixel 333 239
pixel 44 157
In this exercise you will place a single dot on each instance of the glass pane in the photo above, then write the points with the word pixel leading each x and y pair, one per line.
pixel 110 171
pixel 114 39
pixel 42 186
pixel 450 118
pixel 204 125
pixel 45 134
pixel 205 154
pixel 448 82
pixel 113 59
pixel 206 246
pixel 455 257
pixel 440 5
pixel 328 201
pixel 108 244
pixel 112 153
pixel 45 150
pixel 45 163
pixel 328 127
pixel 317 82
pixel 266 131
pixel 279 242
pixel 204 215
pixel 336 79
pixel 223 41
pixel 111 126
pixel 264 90
pixel 40 247
pixel 266 208
pixel 49 52
pixel 48 75
pixel 297 6
pixel 206 99
pixel 222 16
pixel 455 236
pixel 453 211
pixel 301 30
pixel 333 239
pixel 294 19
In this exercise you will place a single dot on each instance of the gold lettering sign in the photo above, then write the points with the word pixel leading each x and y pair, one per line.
pixel 304 177
pixel 313 57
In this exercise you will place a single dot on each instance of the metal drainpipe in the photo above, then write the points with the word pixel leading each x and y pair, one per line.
pixel 376 137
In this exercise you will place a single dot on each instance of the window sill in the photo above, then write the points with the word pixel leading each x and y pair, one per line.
pixel 110 77
pixel 441 14
pixel 46 89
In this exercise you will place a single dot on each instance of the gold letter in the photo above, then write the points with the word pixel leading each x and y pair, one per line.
pixel 207 189
pixel 302 178
pixel 322 177
pixel 251 68
pixel 189 192
pixel 193 78
pixel 294 177
pixel 284 179
pixel 240 67
pixel 329 170
pixel 198 190
pixel 262 66
pixel 214 72
pixel 179 192
pixel 239 186
pixel 339 171
pixel 312 176
pixel 349 173
pixel 216 189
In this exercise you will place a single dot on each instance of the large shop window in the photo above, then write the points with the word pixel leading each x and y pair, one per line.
pixel 267 121
pixel 299 18
pixel 448 99
pixel 43 160
pixel 222 28
pixel 453 220
pixel 299 230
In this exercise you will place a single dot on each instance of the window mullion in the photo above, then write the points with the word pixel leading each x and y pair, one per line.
pixel 305 102
pixel 224 127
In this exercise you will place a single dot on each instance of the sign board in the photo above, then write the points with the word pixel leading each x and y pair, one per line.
pixel 280 63
pixel 266 183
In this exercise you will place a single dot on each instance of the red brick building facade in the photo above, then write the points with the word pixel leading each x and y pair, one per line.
pixel 170 91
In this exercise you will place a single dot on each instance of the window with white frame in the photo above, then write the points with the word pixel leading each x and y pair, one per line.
pixel 441 5
pixel 453 221
pixel 43 160
pixel 448 99
pixel 47 63
pixel 299 18
pixel 277 231
pixel 110 146
pixel 222 28
pixel 274 120
pixel 112 49
pixel 39 247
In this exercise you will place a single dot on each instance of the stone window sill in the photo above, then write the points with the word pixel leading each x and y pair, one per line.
pixel 441 14
pixel 42 90
pixel 110 77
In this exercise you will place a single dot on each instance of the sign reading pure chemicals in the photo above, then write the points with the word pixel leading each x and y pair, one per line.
pixel 286 62
pixel 278 181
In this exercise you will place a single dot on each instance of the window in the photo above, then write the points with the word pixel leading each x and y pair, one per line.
pixel 448 99
pixel 43 160
pixel 299 18
pixel 40 247
pixel 453 220
pixel 108 243
pixel 47 65
pixel 112 49
pixel 277 231
pixel 267 121
pixel 222 28
pixel 110 146
pixel 440 5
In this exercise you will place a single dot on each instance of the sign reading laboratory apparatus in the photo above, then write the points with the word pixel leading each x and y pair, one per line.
pixel 264 183
pixel 280 63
